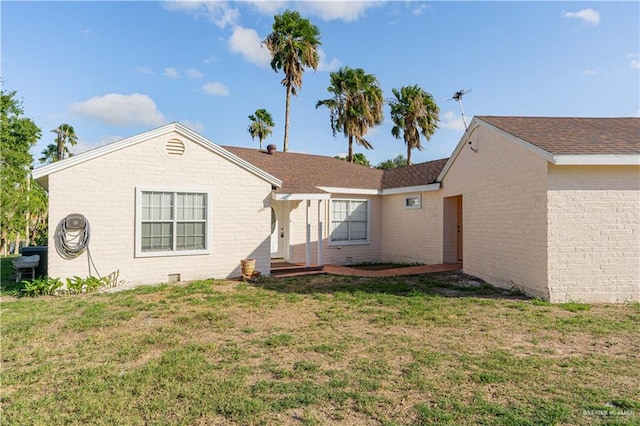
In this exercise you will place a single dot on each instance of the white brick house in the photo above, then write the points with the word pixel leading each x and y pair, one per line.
pixel 548 205
pixel 551 205
pixel 223 202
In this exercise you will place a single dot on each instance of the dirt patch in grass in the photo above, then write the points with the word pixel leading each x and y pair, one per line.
pixel 317 350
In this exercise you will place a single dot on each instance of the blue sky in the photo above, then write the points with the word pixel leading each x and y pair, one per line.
pixel 116 69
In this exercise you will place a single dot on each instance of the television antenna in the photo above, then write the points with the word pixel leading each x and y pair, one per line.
pixel 457 96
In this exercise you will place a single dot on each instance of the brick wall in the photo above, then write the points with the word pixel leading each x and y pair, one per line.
pixel 594 233
pixel 412 235
pixel 503 188
pixel 103 189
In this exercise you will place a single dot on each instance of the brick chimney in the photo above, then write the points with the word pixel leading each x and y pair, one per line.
pixel 271 149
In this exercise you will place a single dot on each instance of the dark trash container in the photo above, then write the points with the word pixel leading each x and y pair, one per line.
pixel 42 269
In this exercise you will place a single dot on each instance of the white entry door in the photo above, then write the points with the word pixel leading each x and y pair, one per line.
pixel 278 230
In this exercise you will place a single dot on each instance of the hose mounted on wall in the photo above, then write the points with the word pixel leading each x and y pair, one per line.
pixel 72 238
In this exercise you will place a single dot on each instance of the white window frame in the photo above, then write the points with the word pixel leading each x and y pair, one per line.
pixel 175 191
pixel 413 207
pixel 349 242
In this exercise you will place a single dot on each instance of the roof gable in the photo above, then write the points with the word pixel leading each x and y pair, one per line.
pixel 40 174
pixel 573 136
pixel 564 140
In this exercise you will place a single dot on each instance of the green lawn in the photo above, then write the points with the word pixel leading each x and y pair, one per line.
pixel 318 350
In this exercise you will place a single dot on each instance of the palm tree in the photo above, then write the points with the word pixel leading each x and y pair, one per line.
pixel 356 105
pixel 293 45
pixel 261 124
pixel 415 113
pixel 49 154
pixel 66 134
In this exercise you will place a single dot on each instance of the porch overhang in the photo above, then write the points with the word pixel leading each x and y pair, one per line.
pixel 300 197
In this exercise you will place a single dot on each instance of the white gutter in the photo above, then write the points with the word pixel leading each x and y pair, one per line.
pixel 597 160
pixel 409 189
pixel 356 191
pixel 299 197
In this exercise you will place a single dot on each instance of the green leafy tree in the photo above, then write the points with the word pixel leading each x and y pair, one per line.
pixel 65 135
pixel 358 158
pixel 293 45
pixel 356 105
pixel 17 135
pixel 414 112
pixel 261 124
pixel 392 163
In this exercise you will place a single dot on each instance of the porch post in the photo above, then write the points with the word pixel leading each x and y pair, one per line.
pixel 320 232
pixel 308 260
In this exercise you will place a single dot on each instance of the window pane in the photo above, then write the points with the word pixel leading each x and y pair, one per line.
pixel 339 231
pixel 156 236
pixel 358 231
pixel 168 217
pixel 349 220
pixel 339 210
pixel 358 210
pixel 191 236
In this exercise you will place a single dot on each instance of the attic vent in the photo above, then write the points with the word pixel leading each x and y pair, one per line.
pixel 175 147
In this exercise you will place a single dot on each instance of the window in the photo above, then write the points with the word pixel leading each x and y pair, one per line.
pixel 412 202
pixel 349 221
pixel 171 222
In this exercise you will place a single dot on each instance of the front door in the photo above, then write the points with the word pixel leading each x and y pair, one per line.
pixel 278 230
pixel 453 232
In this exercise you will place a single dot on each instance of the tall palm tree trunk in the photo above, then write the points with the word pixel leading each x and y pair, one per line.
pixel 60 148
pixel 286 120
pixel 350 155
pixel 408 155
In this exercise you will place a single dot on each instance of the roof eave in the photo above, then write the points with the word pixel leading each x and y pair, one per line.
pixel 597 160
pixel 300 197
pixel 354 191
pixel 409 189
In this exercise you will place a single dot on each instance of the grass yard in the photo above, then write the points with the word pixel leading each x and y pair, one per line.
pixel 318 350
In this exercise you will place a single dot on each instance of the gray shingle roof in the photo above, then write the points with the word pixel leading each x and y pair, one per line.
pixel 304 173
pixel 414 175
pixel 573 136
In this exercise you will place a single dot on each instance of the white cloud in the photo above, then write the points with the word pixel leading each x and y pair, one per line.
pixel 323 65
pixel 193 73
pixel 171 73
pixel 347 11
pixel 221 14
pixel 121 110
pixel 196 126
pixel 635 64
pixel 247 43
pixel 215 88
pixel 591 72
pixel 588 16
pixel 449 120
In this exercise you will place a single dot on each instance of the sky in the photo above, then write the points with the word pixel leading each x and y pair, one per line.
pixel 116 69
